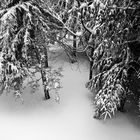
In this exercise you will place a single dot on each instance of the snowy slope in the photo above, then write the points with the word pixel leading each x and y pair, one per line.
pixel 71 119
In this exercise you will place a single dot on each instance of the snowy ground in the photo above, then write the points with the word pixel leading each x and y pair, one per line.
pixel 71 119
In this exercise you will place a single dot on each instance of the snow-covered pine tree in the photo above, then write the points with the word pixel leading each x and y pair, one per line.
pixel 23 45
pixel 115 31
pixel 68 10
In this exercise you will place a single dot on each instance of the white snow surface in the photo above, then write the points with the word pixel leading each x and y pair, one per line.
pixel 71 119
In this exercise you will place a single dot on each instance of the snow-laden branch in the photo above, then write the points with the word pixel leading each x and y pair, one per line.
pixel 60 20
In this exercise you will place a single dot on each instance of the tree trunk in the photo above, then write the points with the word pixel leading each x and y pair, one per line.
pixel 43 60
pixel 74 46
pixel 44 81
pixel 46 58
pixel 43 74
pixel 91 64
pixel 91 71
